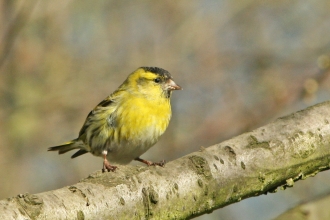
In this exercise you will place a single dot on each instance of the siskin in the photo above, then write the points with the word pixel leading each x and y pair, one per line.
pixel 129 121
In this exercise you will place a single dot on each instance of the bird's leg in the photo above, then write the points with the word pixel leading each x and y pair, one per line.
pixel 150 163
pixel 106 164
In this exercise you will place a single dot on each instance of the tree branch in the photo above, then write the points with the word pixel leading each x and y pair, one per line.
pixel 276 155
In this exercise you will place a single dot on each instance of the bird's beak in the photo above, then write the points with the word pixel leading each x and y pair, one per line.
pixel 171 85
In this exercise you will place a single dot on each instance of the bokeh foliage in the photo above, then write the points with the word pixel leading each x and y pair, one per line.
pixel 241 64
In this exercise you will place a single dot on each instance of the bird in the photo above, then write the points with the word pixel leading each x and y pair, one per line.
pixel 128 122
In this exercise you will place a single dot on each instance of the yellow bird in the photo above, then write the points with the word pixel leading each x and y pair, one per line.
pixel 129 121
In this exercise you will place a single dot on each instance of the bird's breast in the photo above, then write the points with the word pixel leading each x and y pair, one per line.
pixel 142 120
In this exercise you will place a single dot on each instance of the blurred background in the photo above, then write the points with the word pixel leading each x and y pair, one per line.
pixel 242 64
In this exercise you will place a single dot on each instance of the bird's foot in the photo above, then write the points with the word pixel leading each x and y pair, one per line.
pixel 107 166
pixel 150 163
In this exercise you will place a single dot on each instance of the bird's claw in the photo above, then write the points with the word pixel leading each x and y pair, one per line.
pixel 150 163
pixel 161 163
pixel 108 167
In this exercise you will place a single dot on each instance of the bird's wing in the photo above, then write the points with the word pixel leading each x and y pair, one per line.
pixel 91 117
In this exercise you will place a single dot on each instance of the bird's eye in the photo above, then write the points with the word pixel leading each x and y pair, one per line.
pixel 157 80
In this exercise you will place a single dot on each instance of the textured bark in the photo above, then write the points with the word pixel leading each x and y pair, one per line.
pixel 290 149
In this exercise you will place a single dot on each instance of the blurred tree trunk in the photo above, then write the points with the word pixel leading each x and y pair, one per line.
pixel 290 149
pixel 13 25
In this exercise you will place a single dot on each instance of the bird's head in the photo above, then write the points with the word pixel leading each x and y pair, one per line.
pixel 152 82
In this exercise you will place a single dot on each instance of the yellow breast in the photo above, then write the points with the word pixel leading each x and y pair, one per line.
pixel 142 121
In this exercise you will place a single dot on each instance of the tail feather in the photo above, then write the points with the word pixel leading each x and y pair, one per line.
pixel 71 145
pixel 78 153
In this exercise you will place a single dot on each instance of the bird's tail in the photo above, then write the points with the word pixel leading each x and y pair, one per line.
pixel 70 145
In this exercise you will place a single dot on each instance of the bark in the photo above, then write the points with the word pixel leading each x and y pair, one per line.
pixel 290 149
